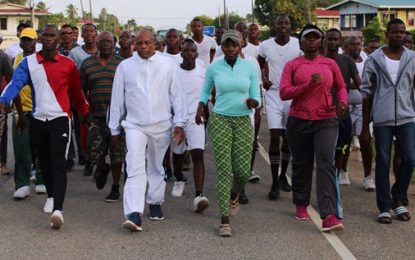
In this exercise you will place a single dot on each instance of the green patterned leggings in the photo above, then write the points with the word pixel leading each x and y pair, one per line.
pixel 232 138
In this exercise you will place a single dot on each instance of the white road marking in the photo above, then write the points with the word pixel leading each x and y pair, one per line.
pixel 332 238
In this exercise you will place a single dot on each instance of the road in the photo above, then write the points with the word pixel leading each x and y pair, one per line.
pixel 263 230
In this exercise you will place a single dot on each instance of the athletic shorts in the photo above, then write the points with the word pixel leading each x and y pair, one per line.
pixel 195 137
pixel 99 144
pixel 357 118
pixel 345 133
pixel 277 109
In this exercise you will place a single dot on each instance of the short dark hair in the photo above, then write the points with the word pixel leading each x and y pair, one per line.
pixel 23 25
pixel 372 40
pixel 392 22
pixel 66 26
pixel 196 20
pixel 89 24
pixel 50 26
pixel 334 30
pixel 75 28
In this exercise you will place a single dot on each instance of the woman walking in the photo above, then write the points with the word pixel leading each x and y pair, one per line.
pixel 312 126
pixel 230 128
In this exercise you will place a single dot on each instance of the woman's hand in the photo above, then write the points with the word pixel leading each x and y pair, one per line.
pixel 200 114
pixel 251 103
pixel 341 108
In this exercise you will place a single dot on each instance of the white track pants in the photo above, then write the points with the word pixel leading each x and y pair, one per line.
pixel 137 139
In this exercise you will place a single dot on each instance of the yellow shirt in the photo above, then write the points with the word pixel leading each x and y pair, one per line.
pixel 26 93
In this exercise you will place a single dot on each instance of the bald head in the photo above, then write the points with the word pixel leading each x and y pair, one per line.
pixel 145 43
pixel 106 35
pixel 106 44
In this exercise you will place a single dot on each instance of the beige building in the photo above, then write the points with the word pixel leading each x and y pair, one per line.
pixel 326 19
pixel 10 16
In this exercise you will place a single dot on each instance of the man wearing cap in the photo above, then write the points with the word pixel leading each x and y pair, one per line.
pixel 55 84
pixel 22 111
pixel 230 128
pixel 15 49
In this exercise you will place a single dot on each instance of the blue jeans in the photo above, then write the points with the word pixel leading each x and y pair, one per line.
pixel 405 142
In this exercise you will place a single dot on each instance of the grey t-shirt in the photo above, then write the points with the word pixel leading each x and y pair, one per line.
pixel 78 55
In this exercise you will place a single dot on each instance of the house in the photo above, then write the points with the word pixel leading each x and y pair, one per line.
pixel 326 19
pixel 11 15
pixel 356 14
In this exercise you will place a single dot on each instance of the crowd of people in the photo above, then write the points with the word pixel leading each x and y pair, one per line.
pixel 147 103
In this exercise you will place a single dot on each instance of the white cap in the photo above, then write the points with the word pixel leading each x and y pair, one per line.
pixel 311 30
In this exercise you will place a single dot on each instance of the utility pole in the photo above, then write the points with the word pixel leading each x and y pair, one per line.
pixel 252 11
pixel 31 4
pixel 224 15
pixel 90 10
pixel 82 10
pixel 309 10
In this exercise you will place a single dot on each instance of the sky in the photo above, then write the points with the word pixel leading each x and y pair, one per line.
pixel 161 14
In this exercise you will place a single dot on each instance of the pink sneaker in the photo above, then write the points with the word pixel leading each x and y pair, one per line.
pixel 332 223
pixel 302 213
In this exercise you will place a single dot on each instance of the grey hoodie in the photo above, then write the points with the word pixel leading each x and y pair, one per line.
pixel 392 104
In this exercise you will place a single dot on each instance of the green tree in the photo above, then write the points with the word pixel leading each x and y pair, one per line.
pixel 325 3
pixel 233 19
pixel 71 11
pixel 19 2
pixel 205 19
pixel 41 6
pixel 267 10
pixel 374 30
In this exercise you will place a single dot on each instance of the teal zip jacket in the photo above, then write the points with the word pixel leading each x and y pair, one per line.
pixel 233 86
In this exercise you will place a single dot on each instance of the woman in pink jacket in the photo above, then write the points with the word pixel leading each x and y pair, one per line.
pixel 311 81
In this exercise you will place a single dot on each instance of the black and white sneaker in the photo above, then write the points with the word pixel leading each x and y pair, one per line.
pixel 114 194
pixel 133 222
pixel 155 212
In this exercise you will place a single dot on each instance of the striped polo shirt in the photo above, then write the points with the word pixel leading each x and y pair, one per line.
pixel 97 83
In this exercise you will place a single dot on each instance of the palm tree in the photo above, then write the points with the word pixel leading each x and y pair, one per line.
pixel 71 11
pixel 41 6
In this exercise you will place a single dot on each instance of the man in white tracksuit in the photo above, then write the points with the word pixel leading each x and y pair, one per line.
pixel 145 91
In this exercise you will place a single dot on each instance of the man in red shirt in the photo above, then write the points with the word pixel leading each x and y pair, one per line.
pixel 55 84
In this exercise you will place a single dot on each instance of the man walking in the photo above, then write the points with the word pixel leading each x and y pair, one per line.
pixel 389 102
pixel 144 84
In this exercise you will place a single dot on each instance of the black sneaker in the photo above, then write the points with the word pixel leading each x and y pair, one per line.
pixel 284 185
pixel 101 175
pixel 155 212
pixel 69 165
pixel 133 222
pixel 243 199
pixel 405 202
pixel 114 194
pixel 88 169
pixel 274 193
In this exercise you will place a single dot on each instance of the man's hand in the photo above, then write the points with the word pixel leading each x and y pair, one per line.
pixel 341 108
pixel 251 103
pixel 116 140
pixel 178 135
pixel 200 114
pixel 266 83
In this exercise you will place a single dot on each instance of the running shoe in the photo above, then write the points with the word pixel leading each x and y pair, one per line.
pixel 200 203
pixel 155 212
pixel 133 222
pixel 332 223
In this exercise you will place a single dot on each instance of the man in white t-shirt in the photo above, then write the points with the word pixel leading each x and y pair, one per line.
pixel 206 45
pixel 277 52
pixel 173 42
pixel 191 77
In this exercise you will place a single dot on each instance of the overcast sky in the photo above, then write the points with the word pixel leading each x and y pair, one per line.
pixel 161 14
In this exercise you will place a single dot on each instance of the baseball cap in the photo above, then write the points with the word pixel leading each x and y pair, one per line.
pixel 29 32
pixel 311 30
pixel 232 35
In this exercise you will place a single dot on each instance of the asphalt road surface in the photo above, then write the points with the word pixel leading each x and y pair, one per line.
pixel 263 230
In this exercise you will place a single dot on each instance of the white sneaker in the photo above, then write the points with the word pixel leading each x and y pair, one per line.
pixel 200 203
pixel 254 177
pixel 40 189
pixel 369 183
pixel 48 208
pixel 21 193
pixel 178 188
pixel 56 220
pixel 344 178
